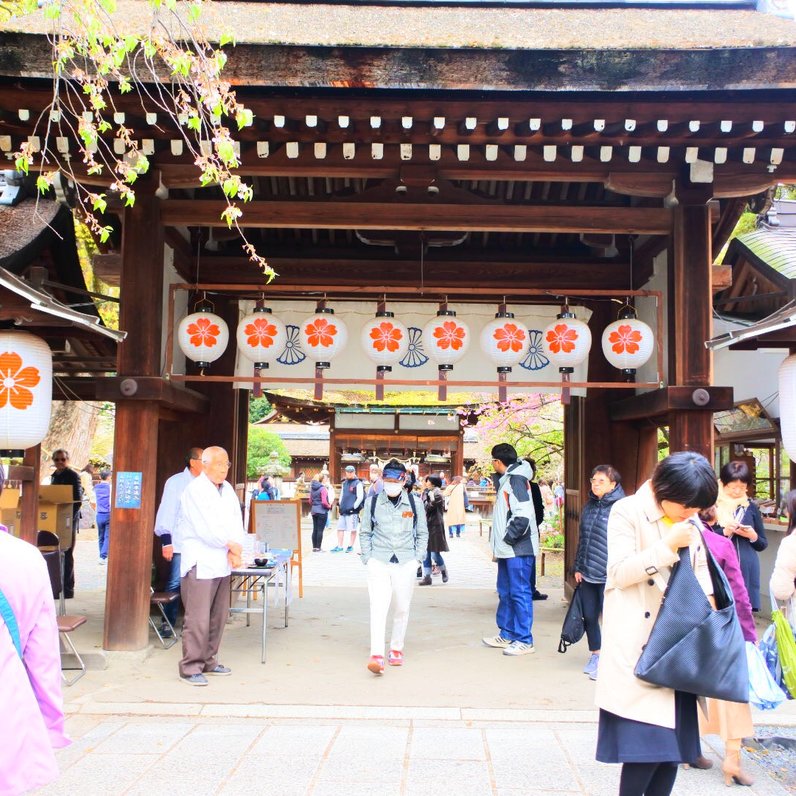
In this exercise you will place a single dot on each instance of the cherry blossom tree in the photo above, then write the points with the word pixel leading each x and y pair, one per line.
pixel 165 60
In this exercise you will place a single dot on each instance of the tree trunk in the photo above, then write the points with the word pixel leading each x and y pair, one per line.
pixel 72 427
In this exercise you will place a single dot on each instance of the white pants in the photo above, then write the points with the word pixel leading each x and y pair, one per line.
pixel 385 582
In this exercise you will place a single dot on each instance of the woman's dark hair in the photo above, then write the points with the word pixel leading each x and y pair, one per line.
pixel 610 472
pixel 735 471
pixel 790 506
pixel 434 480
pixel 686 478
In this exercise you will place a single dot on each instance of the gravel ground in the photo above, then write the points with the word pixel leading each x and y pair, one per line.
pixel 778 759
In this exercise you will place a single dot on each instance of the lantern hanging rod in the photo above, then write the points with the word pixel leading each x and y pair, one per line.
pixel 407 293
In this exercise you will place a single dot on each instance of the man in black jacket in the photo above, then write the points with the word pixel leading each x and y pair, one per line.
pixel 66 476
pixel 538 507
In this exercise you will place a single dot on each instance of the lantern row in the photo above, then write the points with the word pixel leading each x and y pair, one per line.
pixel 627 343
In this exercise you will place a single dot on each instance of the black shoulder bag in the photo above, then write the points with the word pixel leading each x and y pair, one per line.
pixel 574 625
pixel 692 647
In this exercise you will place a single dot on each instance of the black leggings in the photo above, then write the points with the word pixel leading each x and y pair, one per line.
pixel 318 527
pixel 647 779
pixel 591 598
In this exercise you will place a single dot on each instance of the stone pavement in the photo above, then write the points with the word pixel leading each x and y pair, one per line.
pixel 457 718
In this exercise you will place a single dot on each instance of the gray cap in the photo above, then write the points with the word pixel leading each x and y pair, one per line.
pixel 350 469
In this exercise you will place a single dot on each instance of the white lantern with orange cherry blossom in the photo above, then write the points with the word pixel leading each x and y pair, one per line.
pixel 445 341
pixel 385 340
pixel 566 343
pixel 203 336
pixel 787 405
pixel 26 375
pixel 323 336
pixel 261 336
pixel 505 342
pixel 628 342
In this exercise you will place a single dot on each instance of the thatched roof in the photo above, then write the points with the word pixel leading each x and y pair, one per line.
pixel 316 24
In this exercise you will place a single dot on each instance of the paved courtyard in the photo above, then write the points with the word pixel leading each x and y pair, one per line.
pixel 457 718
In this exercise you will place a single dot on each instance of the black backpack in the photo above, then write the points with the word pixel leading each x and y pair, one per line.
pixel 574 626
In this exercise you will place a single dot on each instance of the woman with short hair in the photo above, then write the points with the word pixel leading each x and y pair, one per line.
pixel 433 503
pixel 739 519
pixel 591 558
pixel 649 729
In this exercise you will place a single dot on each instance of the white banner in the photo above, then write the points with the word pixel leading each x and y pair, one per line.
pixel 353 364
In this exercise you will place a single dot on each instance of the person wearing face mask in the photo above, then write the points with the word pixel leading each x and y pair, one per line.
pixel 393 539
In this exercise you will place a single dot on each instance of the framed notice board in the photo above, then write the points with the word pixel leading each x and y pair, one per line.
pixel 278 522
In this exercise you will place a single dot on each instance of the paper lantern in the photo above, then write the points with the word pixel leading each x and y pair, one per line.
pixel 566 341
pixel 628 342
pixel 323 337
pixel 26 376
pixel 566 344
pixel 261 337
pixel 505 341
pixel 386 342
pixel 203 337
pixel 787 405
pixel 446 339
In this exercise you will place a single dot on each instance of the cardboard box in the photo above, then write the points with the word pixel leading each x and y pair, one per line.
pixel 55 511
pixel 9 510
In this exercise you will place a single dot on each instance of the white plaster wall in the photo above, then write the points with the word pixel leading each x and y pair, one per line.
pixel 647 312
pixel 751 374
pixel 171 277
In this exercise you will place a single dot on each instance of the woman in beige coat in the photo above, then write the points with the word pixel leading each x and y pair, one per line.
pixel 647 728
pixel 455 517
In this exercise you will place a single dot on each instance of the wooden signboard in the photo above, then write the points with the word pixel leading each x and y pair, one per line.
pixel 278 522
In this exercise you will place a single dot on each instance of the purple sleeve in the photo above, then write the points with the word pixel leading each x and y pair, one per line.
pixel 724 552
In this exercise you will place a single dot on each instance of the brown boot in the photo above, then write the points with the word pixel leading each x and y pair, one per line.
pixel 732 769
pixel 426 581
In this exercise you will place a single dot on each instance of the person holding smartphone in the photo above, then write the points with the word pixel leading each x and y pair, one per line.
pixel 739 519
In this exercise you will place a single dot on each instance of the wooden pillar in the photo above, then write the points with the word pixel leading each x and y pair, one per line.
pixel 690 291
pixel 28 525
pixel 136 432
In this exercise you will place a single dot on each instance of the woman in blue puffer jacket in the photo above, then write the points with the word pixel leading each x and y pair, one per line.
pixel 591 558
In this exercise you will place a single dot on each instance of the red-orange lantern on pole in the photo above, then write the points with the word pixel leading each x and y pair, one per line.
pixel 505 341
pixel 628 343
pixel 385 340
pixel 322 337
pixel 566 343
pixel 445 340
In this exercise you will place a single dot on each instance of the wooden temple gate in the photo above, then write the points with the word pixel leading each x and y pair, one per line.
pixel 534 184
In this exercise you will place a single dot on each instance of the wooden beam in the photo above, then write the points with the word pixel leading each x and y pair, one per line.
pixel 152 388
pixel 657 404
pixel 394 215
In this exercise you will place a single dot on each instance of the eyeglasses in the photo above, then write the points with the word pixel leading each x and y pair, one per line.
pixel 59 459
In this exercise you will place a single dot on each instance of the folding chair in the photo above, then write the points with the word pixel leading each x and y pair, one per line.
pixel 161 599
pixel 66 624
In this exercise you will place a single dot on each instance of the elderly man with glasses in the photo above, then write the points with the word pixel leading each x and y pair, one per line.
pixel 66 476
pixel 211 529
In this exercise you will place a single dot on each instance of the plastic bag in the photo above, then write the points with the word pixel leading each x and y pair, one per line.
pixel 786 650
pixel 768 651
pixel 764 693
